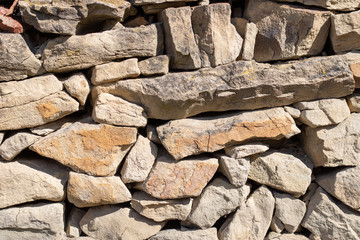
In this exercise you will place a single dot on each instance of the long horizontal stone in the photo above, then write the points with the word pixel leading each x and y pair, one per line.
pixel 236 86
pixel 79 52
pixel 192 136
pixel 339 5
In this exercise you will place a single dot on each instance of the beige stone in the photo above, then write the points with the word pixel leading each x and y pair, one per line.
pixel 77 86
pixel 247 52
pixel 240 25
pixel 151 134
pixel 353 102
pixel 354 63
pixel 13 145
pixel 113 222
pixel 158 8
pixel 195 234
pixel 191 136
pixel 169 179
pixel 338 5
pixel 139 161
pixel 161 210
pixel 235 169
pixel 285 236
pixel 245 150
pixel 294 112
pixel 158 65
pixel 95 149
pixel 156 2
pixel 72 228
pixel 113 71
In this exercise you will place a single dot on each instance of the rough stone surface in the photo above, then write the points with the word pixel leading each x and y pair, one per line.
pixel 247 52
pixel 158 65
pixel 88 191
pixel 113 222
pixel 235 169
pixel 323 112
pixel 13 145
pixel 219 198
pixel 170 234
pixel 2 135
pixel 339 5
pixel 77 86
pixel 139 161
pixel 161 210
pixel 158 8
pixel 116 111
pixel 287 32
pixel 240 25
pixel 16 60
pixel 345 31
pixel 96 149
pixel 113 71
pixel 245 150
pixel 9 24
pixel 169 179
pixel 33 221
pixel 251 220
pixel 73 229
pixel 48 128
pixel 232 87
pixel 64 54
pixel 353 102
pixel 187 137
pixel 156 2
pixel 282 170
pixel 354 63
pixel 152 134
pixel 294 112
pixel 285 236
pixel 334 146
pixel 329 219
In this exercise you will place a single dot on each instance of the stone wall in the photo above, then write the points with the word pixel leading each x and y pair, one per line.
pixel 162 119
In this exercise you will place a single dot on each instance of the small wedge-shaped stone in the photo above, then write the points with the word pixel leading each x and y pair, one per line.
pixel 334 146
pixel 16 60
pixel 245 150
pixel 117 111
pixel 251 220
pixel 330 219
pixel 191 136
pixel 287 32
pixel 345 31
pixel 87 191
pixel 323 112
pixel 155 65
pixel 13 145
pixel 113 71
pixel 95 149
pixel 77 86
pixel 71 53
pixel 353 102
pixel 247 51
pixel 33 221
pixel 161 210
pixel 219 198
pixel 31 179
pixel 169 179
pixel 72 227
pixel 32 114
pixel 240 85
pixel 139 161
pixel 113 223
pixel 338 5
pixel 171 234
pixel 282 170
pixel 235 169
pixel 341 183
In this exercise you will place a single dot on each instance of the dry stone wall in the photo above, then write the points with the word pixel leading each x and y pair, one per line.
pixel 164 120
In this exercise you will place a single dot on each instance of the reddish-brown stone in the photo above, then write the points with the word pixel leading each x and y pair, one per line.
pixel 8 24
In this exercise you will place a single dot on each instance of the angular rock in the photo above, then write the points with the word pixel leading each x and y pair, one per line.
pixel 289 211
pixel 88 191
pixel 169 179
pixel 282 170
pixel 116 111
pixel 240 25
pixel 77 86
pixel 31 179
pixel 235 169
pixel 33 221
pixel 65 54
pixel 152 134
pixel 9 24
pixel 150 2
pixel 354 63
pixel 323 112
pixel 330 219
pixel 65 17
pixel 247 51
pixel 187 137
pixel 179 38
pixel 38 112
pixel 13 145
pixel 341 183
pixel 158 8
pixel 161 210
pixel 285 236
pixel 251 220
pixel 338 5
pixel 73 229
pixel 219 198
pixel 287 32
pixel 345 31
pixel 2 135
pixel 217 38
pixel 158 65
pixel 232 87
pixel 139 161
pixel 48 128
pixel 16 59
pixel 353 102
pixel 241 151
pixel 113 222
pixel 170 234
pixel 113 71
pixel 294 112
pixel 95 149
pixel 334 146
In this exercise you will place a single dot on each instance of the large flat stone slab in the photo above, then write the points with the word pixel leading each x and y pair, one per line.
pixel 240 85
pixel 170 234
pixel 338 5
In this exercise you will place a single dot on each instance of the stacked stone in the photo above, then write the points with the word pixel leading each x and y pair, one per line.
pixel 182 127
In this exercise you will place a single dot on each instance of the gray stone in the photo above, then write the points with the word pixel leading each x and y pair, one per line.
pixel 2 135
pixel 247 52
pixel 245 150
pixel 151 134
pixel 294 112
pixel 73 229
pixel 77 86
pixel 240 25
pixel 158 65
pixel 285 236
pixel 231 87
pixel 338 5
pixel 353 102
pixel 158 8
pixel 235 169
pixel 156 2
pixel 171 234
pixel 13 145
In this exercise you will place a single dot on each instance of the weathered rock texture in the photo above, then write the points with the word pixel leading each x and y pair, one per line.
pixel 209 234
pixel 340 5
